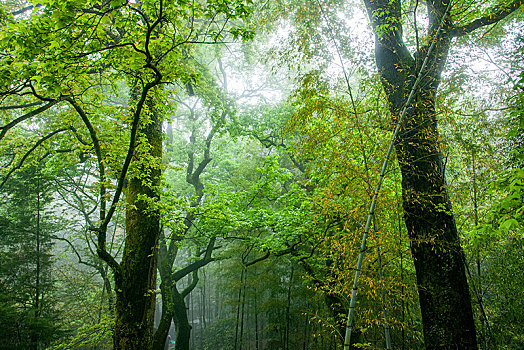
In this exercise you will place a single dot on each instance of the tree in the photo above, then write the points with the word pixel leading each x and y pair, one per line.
pixel 207 106
pixel 439 261
pixel 29 309
pixel 62 57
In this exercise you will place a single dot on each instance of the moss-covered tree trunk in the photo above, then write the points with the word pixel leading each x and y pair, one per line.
pixel 136 283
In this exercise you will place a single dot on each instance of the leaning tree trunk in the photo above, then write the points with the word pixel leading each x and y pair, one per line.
pixel 136 283
pixel 444 296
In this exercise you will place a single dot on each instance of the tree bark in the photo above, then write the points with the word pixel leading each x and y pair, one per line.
pixel 162 331
pixel 136 283
pixel 444 296
pixel 182 326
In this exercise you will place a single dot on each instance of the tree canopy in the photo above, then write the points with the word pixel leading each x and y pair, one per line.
pixel 279 175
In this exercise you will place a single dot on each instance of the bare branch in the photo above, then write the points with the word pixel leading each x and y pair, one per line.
pixel 73 248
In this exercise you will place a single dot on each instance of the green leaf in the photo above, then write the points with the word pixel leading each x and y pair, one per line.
pixel 117 3
pixel 509 224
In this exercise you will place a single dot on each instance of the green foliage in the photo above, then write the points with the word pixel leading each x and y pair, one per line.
pixel 98 335
pixel 279 177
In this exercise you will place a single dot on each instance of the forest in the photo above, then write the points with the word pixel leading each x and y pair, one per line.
pixel 261 174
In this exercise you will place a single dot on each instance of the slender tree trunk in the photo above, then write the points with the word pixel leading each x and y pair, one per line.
pixel 218 302
pixel 256 320
pixel 306 332
pixel 288 306
pixel 182 326
pixel 237 323
pixel 136 283
pixel 34 333
pixel 483 333
pixel 106 289
pixel 200 325
pixel 242 313
pixel 165 260
pixel 202 312
pixel 335 304
pixel 203 293
pixel 164 325
pixel 387 335
pixel 401 252
pixel 209 302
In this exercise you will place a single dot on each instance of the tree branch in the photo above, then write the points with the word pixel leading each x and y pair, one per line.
pixel 177 276
pixel 79 137
pixel 263 257
pixel 497 15
pixel 32 104
pixel 18 120
pixel 102 229
pixel 73 248
pixel 192 286
pixel 24 9
pixel 28 153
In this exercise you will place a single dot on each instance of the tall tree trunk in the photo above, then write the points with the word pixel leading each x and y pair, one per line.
pixel 136 283
pixel 203 294
pixel 483 323
pixel 439 262
pixel 237 320
pixel 306 332
pixel 257 346
pixel 165 263
pixel 161 333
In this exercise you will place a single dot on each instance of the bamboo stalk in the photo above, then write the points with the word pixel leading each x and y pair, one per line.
pixel 387 335
pixel 347 338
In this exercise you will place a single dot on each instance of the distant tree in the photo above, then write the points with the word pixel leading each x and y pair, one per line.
pixel 29 314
